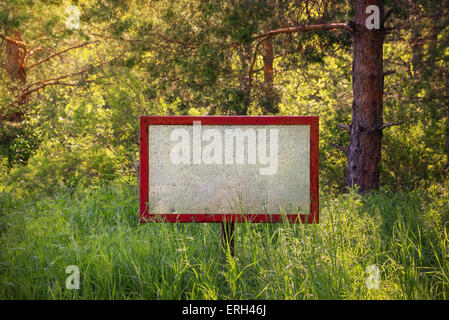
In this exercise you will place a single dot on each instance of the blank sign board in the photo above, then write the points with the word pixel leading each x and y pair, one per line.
pixel 237 168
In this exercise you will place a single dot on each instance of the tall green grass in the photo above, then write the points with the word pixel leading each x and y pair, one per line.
pixel 404 234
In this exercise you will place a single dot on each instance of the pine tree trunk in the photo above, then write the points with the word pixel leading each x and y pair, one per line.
pixel 364 151
pixel 15 58
pixel 245 88
pixel 16 54
pixel 268 58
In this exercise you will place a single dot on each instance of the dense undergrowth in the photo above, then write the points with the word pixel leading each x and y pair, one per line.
pixel 404 234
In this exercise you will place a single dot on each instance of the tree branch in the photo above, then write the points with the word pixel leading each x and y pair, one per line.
pixel 17 42
pixel 38 85
pixel 250 71
pixel 388 72
pixel 236 45
pixel 262 37
pixel 343 126
pixel 297 29
pixel 116 38
pixel 345 150
pixel 61 52
pixel 387 125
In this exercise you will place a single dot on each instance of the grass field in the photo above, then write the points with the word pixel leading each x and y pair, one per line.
pixel 404 234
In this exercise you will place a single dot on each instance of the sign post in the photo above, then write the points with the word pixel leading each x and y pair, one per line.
pixel 229 169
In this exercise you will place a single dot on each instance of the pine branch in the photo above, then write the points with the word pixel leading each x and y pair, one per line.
pixel 388 72
pixel 17 42
pixel 343 126
pixel 387 125
pixel 250 72
pixel 314 27
pixel 41 84
pixel 345 150
pixel 61 52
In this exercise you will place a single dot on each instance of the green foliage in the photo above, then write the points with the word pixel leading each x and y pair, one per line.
pixel 193 57
pixel 306 92
pixel 61 203
pixel 408 160
pixel 54 167
pixel 405 235
pixel 19 143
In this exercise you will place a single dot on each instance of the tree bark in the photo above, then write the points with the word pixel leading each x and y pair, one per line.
pixel 268 58
pixel 245 87
pixel 16 52
pixel 364 153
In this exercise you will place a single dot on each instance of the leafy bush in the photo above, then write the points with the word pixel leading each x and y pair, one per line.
pixel 409 160
pixel 57 166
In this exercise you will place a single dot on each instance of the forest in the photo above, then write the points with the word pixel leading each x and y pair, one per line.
pixel 76 76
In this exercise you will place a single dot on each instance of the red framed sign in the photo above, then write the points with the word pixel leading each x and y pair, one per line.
pixel 229 169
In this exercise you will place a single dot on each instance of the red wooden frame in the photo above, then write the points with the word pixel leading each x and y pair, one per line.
pixel 145 121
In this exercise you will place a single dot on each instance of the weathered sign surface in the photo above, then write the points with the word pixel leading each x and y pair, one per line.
pixel 218 168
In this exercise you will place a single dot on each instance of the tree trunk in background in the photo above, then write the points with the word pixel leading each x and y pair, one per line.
pixel 364 151
pixel 245 88
pixel 268 57
pixel 15 57
pixel 16 54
